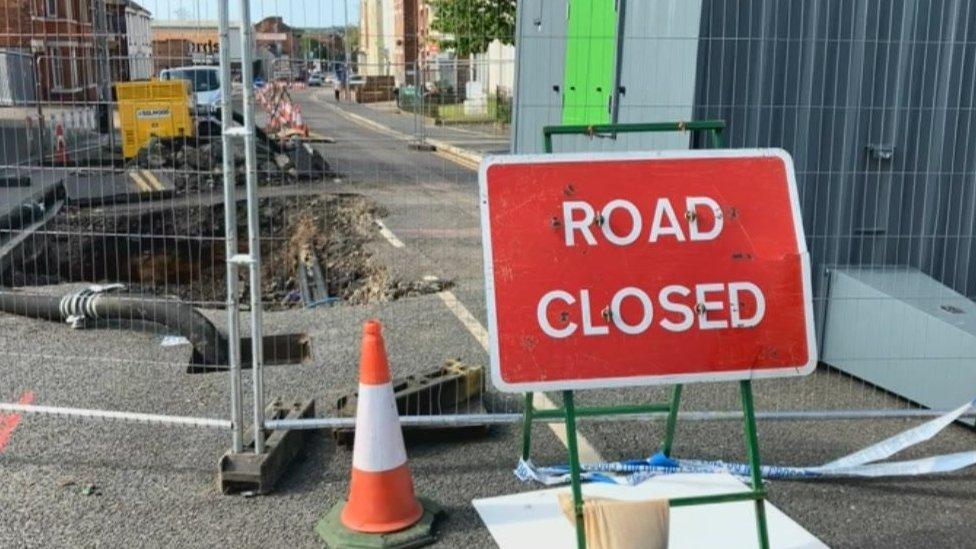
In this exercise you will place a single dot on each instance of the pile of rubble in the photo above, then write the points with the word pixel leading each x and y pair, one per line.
pixel 179 250
pixel 197 164
pixel 335 231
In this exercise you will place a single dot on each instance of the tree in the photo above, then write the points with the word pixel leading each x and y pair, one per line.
pixel 351 34
pixel 470 26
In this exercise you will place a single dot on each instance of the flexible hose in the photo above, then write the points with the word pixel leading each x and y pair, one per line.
pixel 128 310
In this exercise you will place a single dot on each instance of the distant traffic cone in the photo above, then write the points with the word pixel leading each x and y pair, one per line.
pixel 382 506
pixel 299 124
pixel 60 145
pixel 381 497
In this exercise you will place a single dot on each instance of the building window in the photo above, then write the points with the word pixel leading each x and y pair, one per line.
pixel 90 66
pixel 52 7
pixel 57 70
pixel 73 62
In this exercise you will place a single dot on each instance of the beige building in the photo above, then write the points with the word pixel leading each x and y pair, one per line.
pixel 373 60
pixel 201 37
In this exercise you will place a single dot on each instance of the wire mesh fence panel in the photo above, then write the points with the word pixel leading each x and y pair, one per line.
pixel 868 98
pixel 369 132
pixel 864 96
pixel 189 187
pixel 112 240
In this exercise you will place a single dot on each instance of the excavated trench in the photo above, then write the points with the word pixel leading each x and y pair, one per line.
pixel 315 249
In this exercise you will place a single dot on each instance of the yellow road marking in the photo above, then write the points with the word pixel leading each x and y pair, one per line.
pixel 140 182
pixel 153 180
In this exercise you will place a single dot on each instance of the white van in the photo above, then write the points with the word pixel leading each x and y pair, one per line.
pixel 205 85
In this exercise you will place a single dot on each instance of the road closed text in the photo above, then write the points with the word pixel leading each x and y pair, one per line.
pixel 632 310
pixel 622 223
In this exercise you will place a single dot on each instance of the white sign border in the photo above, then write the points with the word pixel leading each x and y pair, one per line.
pixel 634 381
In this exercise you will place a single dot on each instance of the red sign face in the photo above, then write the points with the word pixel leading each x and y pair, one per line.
pixel 637 269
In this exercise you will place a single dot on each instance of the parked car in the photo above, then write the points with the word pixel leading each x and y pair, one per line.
pixel 316 80
pixel 357 80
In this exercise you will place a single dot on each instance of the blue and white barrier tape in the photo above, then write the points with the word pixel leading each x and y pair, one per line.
pixel 859 464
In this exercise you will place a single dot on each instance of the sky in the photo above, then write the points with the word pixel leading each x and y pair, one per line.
pixel 297 13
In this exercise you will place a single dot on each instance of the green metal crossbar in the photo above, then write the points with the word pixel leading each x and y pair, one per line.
pixel 568 413
pixel 713 128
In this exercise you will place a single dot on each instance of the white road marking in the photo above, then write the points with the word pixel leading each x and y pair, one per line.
pixel 363 121
pixel 587 453
pixel 465 159
pixel 388 235
pixel 470 322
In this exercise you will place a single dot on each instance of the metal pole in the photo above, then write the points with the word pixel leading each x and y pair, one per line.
pixel 418 105
pixel 100 21
pixel 230 232
pixel 422 85
pixel 574 468
pixel 618 62
pixel 110 415
pixel 752 446
pixel 456 420
pixel 345 43
pixel 421 68
pixel 253 223
pixel 672 421
pixel 527 426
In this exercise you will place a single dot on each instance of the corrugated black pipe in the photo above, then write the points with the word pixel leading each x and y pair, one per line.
pixel 128 310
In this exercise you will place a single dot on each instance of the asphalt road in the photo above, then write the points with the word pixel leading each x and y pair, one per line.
pixel 154 485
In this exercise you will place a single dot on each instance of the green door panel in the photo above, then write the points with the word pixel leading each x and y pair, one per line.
pixel 591 43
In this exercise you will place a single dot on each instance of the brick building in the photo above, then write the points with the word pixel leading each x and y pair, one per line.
pixel 273 35
pixel 57 34
pixel 405 39
pixel 172 52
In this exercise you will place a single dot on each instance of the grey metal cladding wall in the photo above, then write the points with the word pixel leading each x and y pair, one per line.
pixel 657 70
pixel 660 44
pixel 540 61
pixel 874 99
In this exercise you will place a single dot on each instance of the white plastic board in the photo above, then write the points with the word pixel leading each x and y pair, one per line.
pixel 531 520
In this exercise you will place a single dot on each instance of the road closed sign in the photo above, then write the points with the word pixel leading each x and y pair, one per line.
pixel 610 270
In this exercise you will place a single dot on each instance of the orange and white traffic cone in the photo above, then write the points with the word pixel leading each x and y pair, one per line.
pixel 60 145
pixel 299 122
pixel 287 114
pixel 381 502
pixel 381 497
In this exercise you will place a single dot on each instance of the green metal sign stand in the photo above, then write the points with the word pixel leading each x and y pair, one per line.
pixel 569 412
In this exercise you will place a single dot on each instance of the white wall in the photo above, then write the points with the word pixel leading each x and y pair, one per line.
pixel 139 43
pixel 495 69
pixel 501 67
pixel 388 26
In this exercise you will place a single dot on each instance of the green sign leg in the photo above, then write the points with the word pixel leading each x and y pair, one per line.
pixel 752 445
pixel 718 142
pixel 672 421
pixel 527 426
pixel 574 468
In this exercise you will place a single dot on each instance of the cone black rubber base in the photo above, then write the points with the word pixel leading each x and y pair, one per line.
pixel 336 536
